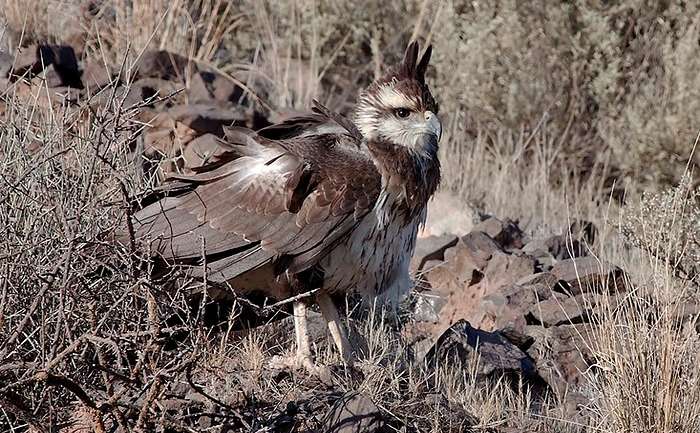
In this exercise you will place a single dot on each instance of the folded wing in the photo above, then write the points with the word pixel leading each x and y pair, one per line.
pixel 285 195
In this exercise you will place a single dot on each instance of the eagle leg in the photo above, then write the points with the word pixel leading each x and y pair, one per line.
pixel 335 326
pixel 301 332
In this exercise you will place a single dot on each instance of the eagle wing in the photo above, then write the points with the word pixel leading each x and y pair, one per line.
pixel 286 194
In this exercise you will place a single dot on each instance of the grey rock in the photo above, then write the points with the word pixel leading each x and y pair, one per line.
pixel 589 274
pixel 207 118
pixel 496 354
pixel 354 413
pixel 555 311
pixel 479 246
pixel 431 248
pixel 506 233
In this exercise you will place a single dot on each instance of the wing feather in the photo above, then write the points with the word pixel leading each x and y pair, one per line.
pixel 293 189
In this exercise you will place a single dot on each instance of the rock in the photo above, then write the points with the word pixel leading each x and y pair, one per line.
pixel 354 413
pixel 479 247
pixel 562 354
pixel 496 355
pixel 165 66
pixel 96 77
pixel 431 248
pixel 36 94
pixel 588 274
pixel 51 77
pixel 224 90
pixel 207 118
pixel 506 233
pixel 159 137
pixel 149 92
pixel 448 213
pixel 5 64
pixel 584 231
pixel 35 58
pixel 25 62
pixel 507 308
pixel 559 247
pixel 555 311
pixel 505 270
pixel 427 306
pixel 459 270
pixel 201 150
pixel 546 279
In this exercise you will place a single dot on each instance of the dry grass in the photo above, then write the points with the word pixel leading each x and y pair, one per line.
pixel 524 117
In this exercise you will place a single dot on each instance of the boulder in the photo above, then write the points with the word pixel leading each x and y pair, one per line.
pixel 208 118
pixel 506 233
pixel 201 150
pixel 34 59
pixel 562 354
pixel 431 248
pixel 495 355
pixel 479 247
pixel 561 310
pixel 165 65
pixel 589 274
pixel 96 76
pixel 354 413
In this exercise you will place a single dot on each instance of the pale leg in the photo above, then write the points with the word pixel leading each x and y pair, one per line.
pixel 335 326
pixel 301 331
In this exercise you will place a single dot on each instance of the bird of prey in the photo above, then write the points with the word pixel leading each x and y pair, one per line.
pixel 317 203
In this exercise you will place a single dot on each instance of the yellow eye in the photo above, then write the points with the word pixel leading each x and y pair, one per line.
pixel 402 112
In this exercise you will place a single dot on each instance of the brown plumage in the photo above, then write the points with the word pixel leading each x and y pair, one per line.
pixel 315 202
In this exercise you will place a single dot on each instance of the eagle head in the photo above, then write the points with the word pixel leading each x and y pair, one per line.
pixel 399 108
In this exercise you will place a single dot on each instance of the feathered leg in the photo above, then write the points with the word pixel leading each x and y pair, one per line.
pixel 340 337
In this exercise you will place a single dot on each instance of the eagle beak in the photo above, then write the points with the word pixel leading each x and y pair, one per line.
pixel 433 124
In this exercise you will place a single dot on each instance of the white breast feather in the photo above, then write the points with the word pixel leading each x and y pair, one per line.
pixel 374 260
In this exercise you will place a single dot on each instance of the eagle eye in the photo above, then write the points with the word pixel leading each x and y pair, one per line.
pixel 402 112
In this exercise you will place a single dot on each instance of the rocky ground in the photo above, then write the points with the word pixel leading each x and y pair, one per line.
pixel 494 301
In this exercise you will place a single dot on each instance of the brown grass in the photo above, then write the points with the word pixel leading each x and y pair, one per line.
pixel 535 130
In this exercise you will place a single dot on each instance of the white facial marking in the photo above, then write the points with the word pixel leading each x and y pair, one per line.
pixel 390 97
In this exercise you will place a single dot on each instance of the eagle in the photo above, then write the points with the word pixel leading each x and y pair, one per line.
pixel 318 204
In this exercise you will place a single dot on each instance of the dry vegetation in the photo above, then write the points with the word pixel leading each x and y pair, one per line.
pixel 552 111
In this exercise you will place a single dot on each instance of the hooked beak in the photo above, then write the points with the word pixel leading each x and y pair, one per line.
pixel 433 124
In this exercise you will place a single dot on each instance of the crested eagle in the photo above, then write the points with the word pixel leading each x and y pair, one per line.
pixel 318 203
